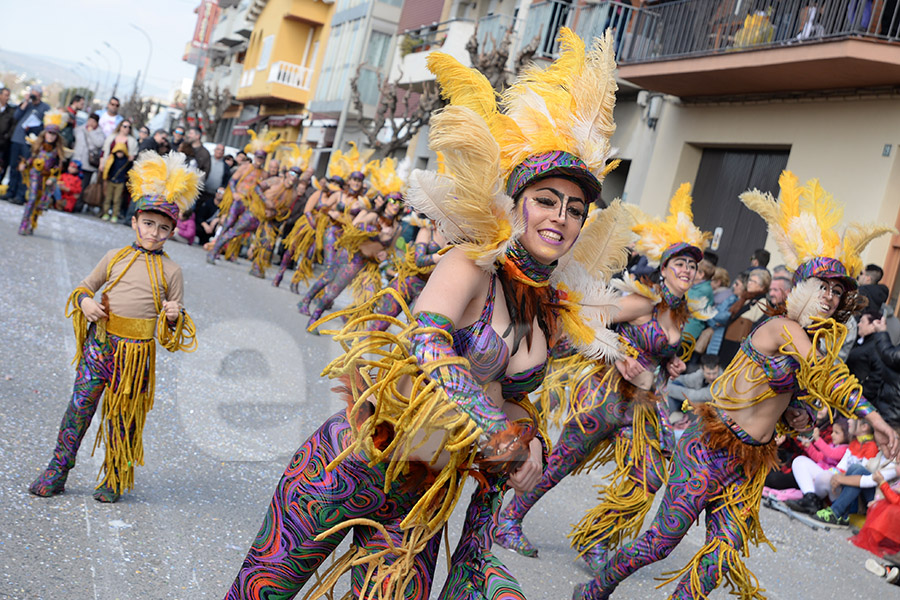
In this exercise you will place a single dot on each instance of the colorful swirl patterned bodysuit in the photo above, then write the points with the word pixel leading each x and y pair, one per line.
pixel 43 168
pixel 311 500
pixel 717 467
pixel 240 220
pixel 604 428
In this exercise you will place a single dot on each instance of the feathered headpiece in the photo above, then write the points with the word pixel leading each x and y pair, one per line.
pixel 804 222
pixel 384 177
pixel 677 235
pixel 297 158
pixel 54 120
pixel 164 184
pixel 260 146
pixel 349 164
pixel 556 120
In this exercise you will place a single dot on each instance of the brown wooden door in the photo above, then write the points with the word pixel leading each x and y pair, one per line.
pixel 724 174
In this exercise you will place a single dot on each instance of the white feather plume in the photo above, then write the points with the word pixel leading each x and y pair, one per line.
pixel 428 193
pixel 805 301
pixel 630 285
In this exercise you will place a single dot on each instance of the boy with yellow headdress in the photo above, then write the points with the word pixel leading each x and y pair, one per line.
pixel 142 299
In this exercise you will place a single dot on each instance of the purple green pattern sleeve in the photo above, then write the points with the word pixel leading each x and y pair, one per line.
pixel 432 345
pixel 424 258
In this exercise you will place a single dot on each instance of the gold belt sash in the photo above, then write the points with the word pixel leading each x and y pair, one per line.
pixel 126 327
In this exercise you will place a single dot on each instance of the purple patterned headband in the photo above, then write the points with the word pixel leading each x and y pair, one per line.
pixel 553 164
pixel 824 267
pixel 680 249
pixel 158 204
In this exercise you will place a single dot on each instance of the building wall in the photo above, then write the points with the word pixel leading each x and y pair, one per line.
pixel 420 12
pixel 838 141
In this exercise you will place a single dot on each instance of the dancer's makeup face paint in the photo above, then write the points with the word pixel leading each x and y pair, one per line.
pixel 553 210
pixel 679 274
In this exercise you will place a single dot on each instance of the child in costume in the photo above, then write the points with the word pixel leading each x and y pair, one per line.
pixel 620 413
pixel 41 170
pixel 881 533
pixel 241 204
pixel 70 186
pixel 279 194
pixel 142 299
pixel 721 461
pixel 446 396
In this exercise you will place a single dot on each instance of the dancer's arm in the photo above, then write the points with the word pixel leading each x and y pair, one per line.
pixel 636 309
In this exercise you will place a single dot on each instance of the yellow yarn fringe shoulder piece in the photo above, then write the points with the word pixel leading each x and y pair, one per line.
pixel 804 221
pixel 656 235
pixel 79 321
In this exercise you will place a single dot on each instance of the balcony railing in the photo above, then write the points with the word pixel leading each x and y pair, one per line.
pixel 625 22
pixel 491 30
pixel 704 27
pixel 427 37
pixel 290 75
pixel 544 21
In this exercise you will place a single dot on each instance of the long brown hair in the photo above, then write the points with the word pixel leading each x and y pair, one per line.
pixel 59 145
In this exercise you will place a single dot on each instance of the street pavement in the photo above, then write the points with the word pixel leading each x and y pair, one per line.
pixel 225 422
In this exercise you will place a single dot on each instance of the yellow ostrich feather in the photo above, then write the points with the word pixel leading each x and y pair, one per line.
pixel 602 246
pixel 462 86
pixel 343 164
pixel 55 117
pixel 804 222
pixel 267 143
pixel 384 177
pixel 656 235
pixel 169 177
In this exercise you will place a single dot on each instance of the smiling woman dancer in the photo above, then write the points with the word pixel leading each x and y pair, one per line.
pixel 446 396
pixel 619 414
pixel 721 462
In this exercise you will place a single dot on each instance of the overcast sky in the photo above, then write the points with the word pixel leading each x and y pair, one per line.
pixel 74 29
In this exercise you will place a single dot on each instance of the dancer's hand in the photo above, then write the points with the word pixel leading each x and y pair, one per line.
pixel 675 367
pixel 172 309
pixel 878 478
pixel 529 474
pixel 92 310
pixel 880 324
pixel 630 368
pixel 797 419
pixel 885 436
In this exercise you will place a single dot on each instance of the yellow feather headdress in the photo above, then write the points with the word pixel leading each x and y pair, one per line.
pixel 296 156
pixel 164 184
pixel 565 110
pixel 54 120
pixel 383 177
pixel 657 236
pixel 804 223
pixel 267 143
pixel 343 164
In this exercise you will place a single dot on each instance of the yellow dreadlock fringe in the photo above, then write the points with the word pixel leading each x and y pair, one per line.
pixel 299 242
pixel 323 221
pixel 182 335
pixel 366 283
pixel 826 378
pixel 233 248
pixel 226 202
pixel 79 321
pixel 263 242
pixel 128 399
pixel 624 502
pixel 556 394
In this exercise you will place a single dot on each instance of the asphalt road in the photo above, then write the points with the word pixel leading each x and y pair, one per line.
pixel 225 421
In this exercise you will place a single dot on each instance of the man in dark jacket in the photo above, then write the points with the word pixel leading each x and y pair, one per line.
pixel 7 122
pixel 864 360
pixel 29 118
pixel 888 400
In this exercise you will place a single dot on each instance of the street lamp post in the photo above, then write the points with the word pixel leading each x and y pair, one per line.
pixel 149 55
pixel 119 73
pixel 108 68
pixel 90 71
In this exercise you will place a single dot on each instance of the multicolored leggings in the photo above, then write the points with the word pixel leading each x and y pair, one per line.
pixel 240 221
pixel 607 415
pixel 475 573
pixel 329 242
pixel 699 478
pixel 264 245
pixel 409 289
pixel 93 373
pixel 310 500
pixel 38 201
pixel 332 282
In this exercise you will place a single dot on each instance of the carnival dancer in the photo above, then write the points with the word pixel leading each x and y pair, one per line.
pixel 365 243
pixel 295 237
pixel 278 195
pixel 721 461
pixel 305 242
pixel 620 414
pixel 241 193
pixel 415 266
pixel 142 299
pixel 41 170
pixel 446 397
